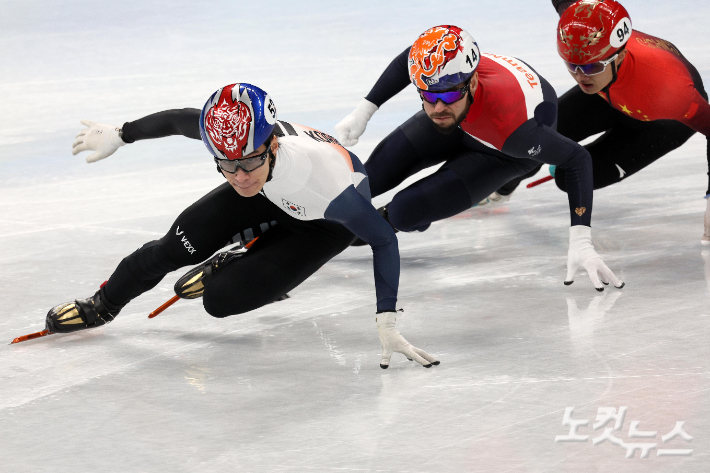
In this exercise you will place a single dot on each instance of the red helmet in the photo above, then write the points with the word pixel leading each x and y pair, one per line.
pixel 592 30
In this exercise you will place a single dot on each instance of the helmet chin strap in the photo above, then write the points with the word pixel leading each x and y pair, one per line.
pixel 272 158
pixel 614 76
pixel 468 108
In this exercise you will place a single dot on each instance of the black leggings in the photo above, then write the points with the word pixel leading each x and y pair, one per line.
pixel 627 146
pixel 281 259
pixel 470 173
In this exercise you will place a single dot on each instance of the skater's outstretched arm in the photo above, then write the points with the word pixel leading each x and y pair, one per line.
pixel 357 214
pixel 550 147
pixel 184 121
pixel 392 81
pixel 104 140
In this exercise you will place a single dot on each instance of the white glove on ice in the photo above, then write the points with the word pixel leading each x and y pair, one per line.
pixel 351 127
pixel 393 341
pixel 103 139
pixel 706 237
pixel 495 198
pixel 581 253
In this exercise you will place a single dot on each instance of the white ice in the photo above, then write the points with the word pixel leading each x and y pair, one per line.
pixel 296 386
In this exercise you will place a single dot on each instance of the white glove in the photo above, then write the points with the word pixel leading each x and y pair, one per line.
pixel 351 127
pixel 706 237
pixel 392 341
pixel 581 253
pixel 495 198
pixel 103 139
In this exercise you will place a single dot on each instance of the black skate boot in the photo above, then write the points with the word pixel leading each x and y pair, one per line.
pixel 192 284
pixel 79 315
pixel 382 211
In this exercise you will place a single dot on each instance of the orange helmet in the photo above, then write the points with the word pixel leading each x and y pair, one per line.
pixel 442 57
pixel 592 30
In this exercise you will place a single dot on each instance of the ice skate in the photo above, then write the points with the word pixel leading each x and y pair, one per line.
pixel 192 284
pixel 79 315
pixel 494 199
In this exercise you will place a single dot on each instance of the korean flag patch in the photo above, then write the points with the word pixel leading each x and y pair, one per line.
pixel 293 208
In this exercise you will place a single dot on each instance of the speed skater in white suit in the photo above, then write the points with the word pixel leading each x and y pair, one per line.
pixel 301 178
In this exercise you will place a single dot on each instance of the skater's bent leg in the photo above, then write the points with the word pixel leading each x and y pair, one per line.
pixel 439 196
pixel 411 147
pixel 392 161
pixel 463 181
pixel 141 271
pixel 626 149
pixel 509 187
pixel 199 231
pixel 278 262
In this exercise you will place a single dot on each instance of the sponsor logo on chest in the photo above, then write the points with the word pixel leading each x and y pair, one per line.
pixel 293 209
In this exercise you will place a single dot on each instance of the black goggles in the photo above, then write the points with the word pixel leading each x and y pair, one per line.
pixel 246 164
pixel 448 97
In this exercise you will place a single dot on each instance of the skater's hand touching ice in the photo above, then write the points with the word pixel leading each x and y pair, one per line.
pixel 581 253
pixel 103 139
pixel 351 127
pixel 393 341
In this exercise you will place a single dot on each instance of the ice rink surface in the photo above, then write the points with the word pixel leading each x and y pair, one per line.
pixel 296 386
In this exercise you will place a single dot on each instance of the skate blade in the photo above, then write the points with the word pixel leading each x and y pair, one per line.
pixel 539 181
pixel 31 336
pixel 176 298
pixel 157 311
